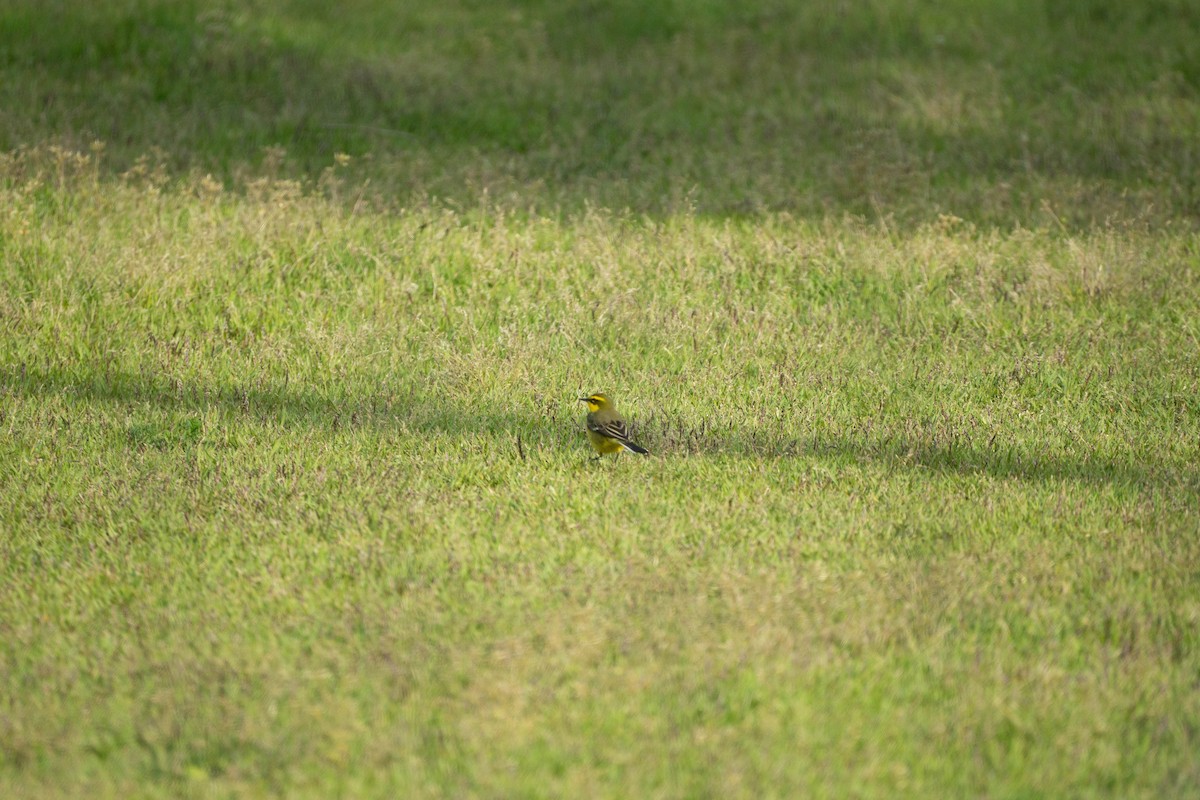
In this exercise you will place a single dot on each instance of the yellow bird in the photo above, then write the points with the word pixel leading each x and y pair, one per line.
pixel 606 429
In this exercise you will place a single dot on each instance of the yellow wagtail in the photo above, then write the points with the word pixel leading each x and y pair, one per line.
pixel 606 430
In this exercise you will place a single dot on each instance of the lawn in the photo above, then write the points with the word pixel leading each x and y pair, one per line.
pixel 296 305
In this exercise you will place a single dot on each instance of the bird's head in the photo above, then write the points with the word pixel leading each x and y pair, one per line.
pixel 596 402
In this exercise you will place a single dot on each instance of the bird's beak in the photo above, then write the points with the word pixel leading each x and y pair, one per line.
pixel 584 399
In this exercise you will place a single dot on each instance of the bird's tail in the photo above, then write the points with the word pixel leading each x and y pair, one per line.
pixel 635 448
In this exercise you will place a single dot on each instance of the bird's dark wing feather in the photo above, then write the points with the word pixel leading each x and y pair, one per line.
pixel 615 429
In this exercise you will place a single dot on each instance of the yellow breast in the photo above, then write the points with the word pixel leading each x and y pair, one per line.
pixel 603 444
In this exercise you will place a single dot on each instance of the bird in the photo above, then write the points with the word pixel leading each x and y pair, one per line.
pixel 606 429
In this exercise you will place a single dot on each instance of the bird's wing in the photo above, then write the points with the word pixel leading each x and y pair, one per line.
pixel 613 429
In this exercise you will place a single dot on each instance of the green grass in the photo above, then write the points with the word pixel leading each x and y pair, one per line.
pixel 294 494
pixel 1009 112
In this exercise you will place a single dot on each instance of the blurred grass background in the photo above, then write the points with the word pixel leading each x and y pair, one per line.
pixel 1006 112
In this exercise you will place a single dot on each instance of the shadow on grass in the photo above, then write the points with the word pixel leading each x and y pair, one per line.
pixel 996 458
pixel 725 109
pixel 278 406
pixel 286 406
pixel 999 460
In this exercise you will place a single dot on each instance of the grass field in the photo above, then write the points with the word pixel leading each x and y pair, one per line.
pixel 295 306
